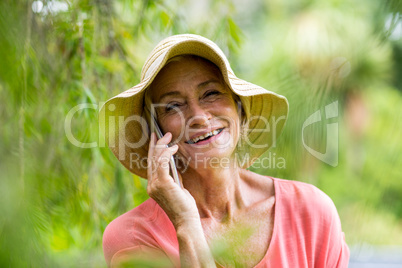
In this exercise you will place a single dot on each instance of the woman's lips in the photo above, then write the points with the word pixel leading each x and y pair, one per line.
pixel 207 139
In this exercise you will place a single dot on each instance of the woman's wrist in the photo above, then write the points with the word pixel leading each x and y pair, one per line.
pixel 189 224
pixel 182 217
pixel 194 249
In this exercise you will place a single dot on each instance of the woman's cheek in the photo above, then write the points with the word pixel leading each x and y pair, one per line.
pixel 175 129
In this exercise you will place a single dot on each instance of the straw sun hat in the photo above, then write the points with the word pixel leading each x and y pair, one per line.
pixel 125 129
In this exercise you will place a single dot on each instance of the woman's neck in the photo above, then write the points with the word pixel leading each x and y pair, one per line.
pixel 217 191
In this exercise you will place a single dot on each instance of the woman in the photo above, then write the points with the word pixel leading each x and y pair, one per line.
pixel 215 125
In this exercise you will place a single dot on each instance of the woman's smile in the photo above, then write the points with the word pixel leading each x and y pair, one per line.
pixel 204 137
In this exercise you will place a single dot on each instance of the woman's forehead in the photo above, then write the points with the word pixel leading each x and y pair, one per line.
pixel 183 75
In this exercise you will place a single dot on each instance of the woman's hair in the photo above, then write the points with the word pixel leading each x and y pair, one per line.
pixel 242 114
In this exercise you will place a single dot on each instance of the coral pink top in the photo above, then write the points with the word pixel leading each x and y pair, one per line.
pixel 307 231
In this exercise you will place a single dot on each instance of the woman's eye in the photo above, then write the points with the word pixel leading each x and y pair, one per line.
pixel 171 106
pixel 212 93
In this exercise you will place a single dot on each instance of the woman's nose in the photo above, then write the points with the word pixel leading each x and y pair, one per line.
pixel 198 115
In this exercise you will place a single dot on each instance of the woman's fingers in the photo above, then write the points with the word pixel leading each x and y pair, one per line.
pixel 159 156
pixel 159 179
pixel 163 163
pixel 164 141
pixel 161 143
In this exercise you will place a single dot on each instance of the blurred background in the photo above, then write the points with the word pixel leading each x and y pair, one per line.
pixel 56 198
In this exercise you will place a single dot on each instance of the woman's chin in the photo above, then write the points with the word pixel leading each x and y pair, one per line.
pixel 209 159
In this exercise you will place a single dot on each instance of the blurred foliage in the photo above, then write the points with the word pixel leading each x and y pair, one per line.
pixel 56 198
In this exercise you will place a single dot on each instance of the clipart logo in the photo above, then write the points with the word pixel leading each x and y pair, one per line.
pixel 330 156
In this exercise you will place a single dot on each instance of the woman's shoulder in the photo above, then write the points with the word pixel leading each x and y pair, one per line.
pixel 134 228
pixel 147 211
pixel 305 205
pixel 292 195
pixel 305 213
pixel 302 194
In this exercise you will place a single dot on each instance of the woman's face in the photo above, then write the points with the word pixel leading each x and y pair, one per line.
pixel 195 105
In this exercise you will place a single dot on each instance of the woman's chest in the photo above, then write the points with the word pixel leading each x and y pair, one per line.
pixel 243 242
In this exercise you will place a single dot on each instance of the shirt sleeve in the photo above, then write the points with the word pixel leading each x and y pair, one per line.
pixel 332 241
pixel 116 239
pixel 141 237
pixel 338 251
pixel 140 256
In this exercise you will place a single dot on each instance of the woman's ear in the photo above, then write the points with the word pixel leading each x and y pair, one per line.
pixel 240 109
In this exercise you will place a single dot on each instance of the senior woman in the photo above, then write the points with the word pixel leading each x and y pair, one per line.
pixel 215 125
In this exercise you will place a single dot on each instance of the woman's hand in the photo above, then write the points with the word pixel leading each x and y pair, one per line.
pixel 178 203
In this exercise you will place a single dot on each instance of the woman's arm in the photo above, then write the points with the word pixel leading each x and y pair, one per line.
pixel 193 247
pixel 178 204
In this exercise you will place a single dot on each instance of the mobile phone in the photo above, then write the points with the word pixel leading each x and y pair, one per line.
pixel 155 128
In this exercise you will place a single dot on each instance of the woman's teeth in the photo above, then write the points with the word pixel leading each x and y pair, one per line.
pixel 206 135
